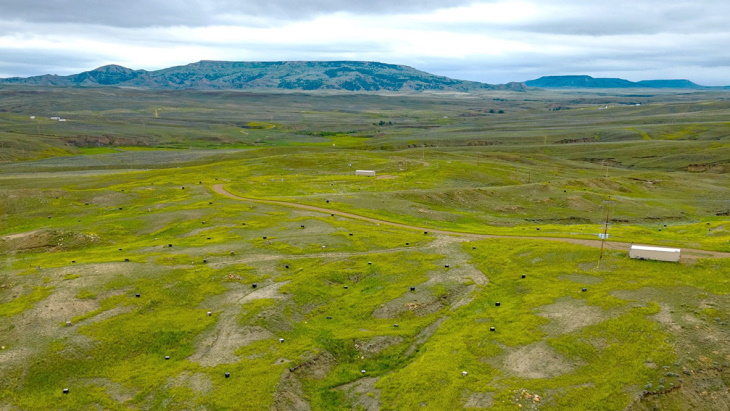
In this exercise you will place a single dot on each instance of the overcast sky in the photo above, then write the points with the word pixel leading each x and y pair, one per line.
pixel 490 41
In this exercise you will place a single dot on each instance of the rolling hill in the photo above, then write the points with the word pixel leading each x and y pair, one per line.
pixel 288 75
pixel 591 82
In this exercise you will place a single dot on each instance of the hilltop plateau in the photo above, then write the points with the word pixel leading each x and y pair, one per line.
pixel 591 82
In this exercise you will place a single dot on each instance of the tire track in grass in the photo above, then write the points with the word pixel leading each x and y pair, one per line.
pixel 610 245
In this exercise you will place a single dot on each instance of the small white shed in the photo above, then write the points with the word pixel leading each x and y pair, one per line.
pixel 645 252
pixel 366 173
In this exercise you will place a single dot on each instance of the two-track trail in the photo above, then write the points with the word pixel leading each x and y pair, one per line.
pixel 611 245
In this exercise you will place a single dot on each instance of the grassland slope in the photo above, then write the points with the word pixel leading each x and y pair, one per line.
pixel 286 75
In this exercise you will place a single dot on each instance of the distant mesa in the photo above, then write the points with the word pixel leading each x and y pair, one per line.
pixel 284 75
pixel 591 82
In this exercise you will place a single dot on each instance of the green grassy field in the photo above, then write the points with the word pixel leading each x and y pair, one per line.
pixel 125 278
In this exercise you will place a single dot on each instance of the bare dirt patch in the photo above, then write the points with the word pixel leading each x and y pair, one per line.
pixel 567 315
pixel 459 267
pixel 664 316
pixel 219 346
pixel 19 235
pixel 317 367
pixel 53 240
pixel 459 273
pixel 536 361
pixel 271 291
pixel 289 395
pixel 13 355
pixel 363 394
pixel 420 303
pixel 480 400
pixel 377 344
pixel 242 293
pixel 386 177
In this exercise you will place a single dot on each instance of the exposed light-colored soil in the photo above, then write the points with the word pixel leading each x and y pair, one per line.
pixel 19 235
pixel 271 291
pixel 219 346
pixel 536 361
pixel 420 303
pixel 480 400
pixel 567 315
pixel 289 395
pixel 377 344
pixel 363 394
pixel 664 316
pixel 317 367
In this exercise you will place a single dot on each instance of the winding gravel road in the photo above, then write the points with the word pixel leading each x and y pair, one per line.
pixel 610 245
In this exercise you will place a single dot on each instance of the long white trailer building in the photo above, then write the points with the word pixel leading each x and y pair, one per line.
pixel 645 252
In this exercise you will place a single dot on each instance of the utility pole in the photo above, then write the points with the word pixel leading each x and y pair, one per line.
pixel 605 232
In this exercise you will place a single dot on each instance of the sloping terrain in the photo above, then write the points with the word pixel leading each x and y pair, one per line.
pixel 285 75
pixel 231 259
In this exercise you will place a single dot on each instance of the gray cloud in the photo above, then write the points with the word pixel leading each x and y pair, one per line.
pixel 637 39
pixel 619 17
pixel 19 62
pixel 147 13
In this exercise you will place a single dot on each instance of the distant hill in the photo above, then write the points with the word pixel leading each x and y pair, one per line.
pixel 288 75
pixel 591 82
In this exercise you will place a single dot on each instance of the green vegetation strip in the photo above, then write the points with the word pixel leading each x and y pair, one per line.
pixel 220 189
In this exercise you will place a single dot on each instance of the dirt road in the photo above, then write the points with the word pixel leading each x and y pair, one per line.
pixel 610 245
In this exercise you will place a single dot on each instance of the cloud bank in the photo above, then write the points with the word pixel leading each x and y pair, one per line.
pixel 489 41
